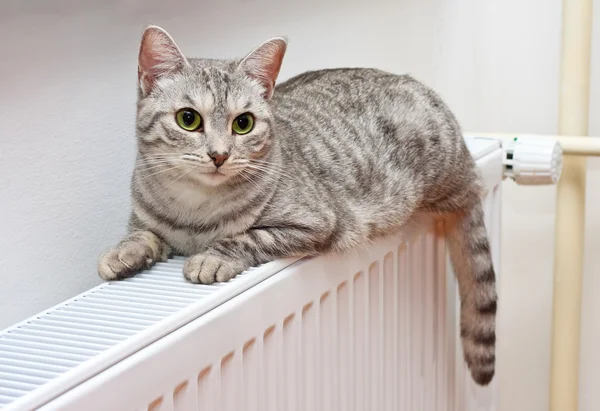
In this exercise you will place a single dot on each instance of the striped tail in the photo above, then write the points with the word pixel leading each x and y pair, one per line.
pixel 472 262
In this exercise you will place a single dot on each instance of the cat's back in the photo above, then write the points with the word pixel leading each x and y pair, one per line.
pixel 362 96
pixel 342 87
pixel 351 89
pixel 334 77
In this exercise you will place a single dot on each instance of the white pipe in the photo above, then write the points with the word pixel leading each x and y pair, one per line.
pixel 580 146
pixel 571 145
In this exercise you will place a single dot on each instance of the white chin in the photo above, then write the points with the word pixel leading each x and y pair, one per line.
pixel 212 179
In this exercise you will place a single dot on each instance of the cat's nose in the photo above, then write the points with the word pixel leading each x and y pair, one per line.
pixel 219 158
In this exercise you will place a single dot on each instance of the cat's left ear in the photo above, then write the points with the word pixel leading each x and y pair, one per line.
pixel 264 62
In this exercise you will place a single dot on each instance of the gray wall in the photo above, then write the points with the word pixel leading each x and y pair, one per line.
pixel 67 100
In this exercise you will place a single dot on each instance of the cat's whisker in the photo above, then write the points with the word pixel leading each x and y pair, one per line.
pixel 269 170
pixel 262 177
pixel 160 163
pixel 248 177
pixel 151 163
pixel 147 176
pixel 255 160
pixel 265 163
pixel 162 155
pixel 268 164
pixel 262 171
pixel 240 161
pixel 155 167
pixel 181 175
pixel 156 161
pixel 145 171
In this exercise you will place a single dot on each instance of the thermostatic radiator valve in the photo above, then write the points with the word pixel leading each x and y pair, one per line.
pixel 532 160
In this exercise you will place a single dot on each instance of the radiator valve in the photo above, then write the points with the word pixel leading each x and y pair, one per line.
pixel 532 160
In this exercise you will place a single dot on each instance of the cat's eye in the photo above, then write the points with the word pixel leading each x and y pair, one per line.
pixel 243 123
pixel 188 119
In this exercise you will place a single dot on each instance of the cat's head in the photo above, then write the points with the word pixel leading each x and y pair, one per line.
pixel 208 120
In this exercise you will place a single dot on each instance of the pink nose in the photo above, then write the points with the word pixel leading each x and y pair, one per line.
pixel 219 159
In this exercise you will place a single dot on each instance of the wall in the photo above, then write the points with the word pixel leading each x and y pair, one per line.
pixel 67 100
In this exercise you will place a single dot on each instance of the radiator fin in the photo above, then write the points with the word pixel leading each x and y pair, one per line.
pixel 52 346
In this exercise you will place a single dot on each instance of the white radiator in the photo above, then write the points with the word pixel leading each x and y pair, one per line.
pixel 375 330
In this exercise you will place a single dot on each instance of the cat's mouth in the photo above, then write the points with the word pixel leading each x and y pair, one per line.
pixel 207 175
pixel 213 177
pixel 218 171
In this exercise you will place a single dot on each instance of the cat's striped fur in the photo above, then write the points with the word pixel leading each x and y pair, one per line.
pixel 336 158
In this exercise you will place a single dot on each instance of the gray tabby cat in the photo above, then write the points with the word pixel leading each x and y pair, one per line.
pixel 235 172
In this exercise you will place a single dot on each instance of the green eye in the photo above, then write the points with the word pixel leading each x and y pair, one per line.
pixel 188 119
pixel 243 124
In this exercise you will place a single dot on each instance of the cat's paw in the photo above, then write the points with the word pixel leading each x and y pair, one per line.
pixel 207 268
pixel 134 254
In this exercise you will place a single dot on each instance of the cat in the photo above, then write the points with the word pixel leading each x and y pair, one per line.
pixel 234 172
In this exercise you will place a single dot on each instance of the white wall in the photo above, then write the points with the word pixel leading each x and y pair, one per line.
pixel 67 101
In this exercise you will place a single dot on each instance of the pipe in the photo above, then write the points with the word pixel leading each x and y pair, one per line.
pixel 578 146
pixel 571 145
pixel 570 207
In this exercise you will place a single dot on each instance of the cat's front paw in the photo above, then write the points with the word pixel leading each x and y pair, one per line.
pixel 136 253
pixel 207 268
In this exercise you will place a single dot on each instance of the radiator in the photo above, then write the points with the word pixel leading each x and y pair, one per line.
pixel 373 330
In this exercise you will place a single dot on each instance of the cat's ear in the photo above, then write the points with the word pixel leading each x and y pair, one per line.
pixel 264 62
pixel 159 56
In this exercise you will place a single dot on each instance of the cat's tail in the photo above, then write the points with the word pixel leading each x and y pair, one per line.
pixel 471 258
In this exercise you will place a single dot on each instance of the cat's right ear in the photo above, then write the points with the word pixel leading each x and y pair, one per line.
pixel 159 56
